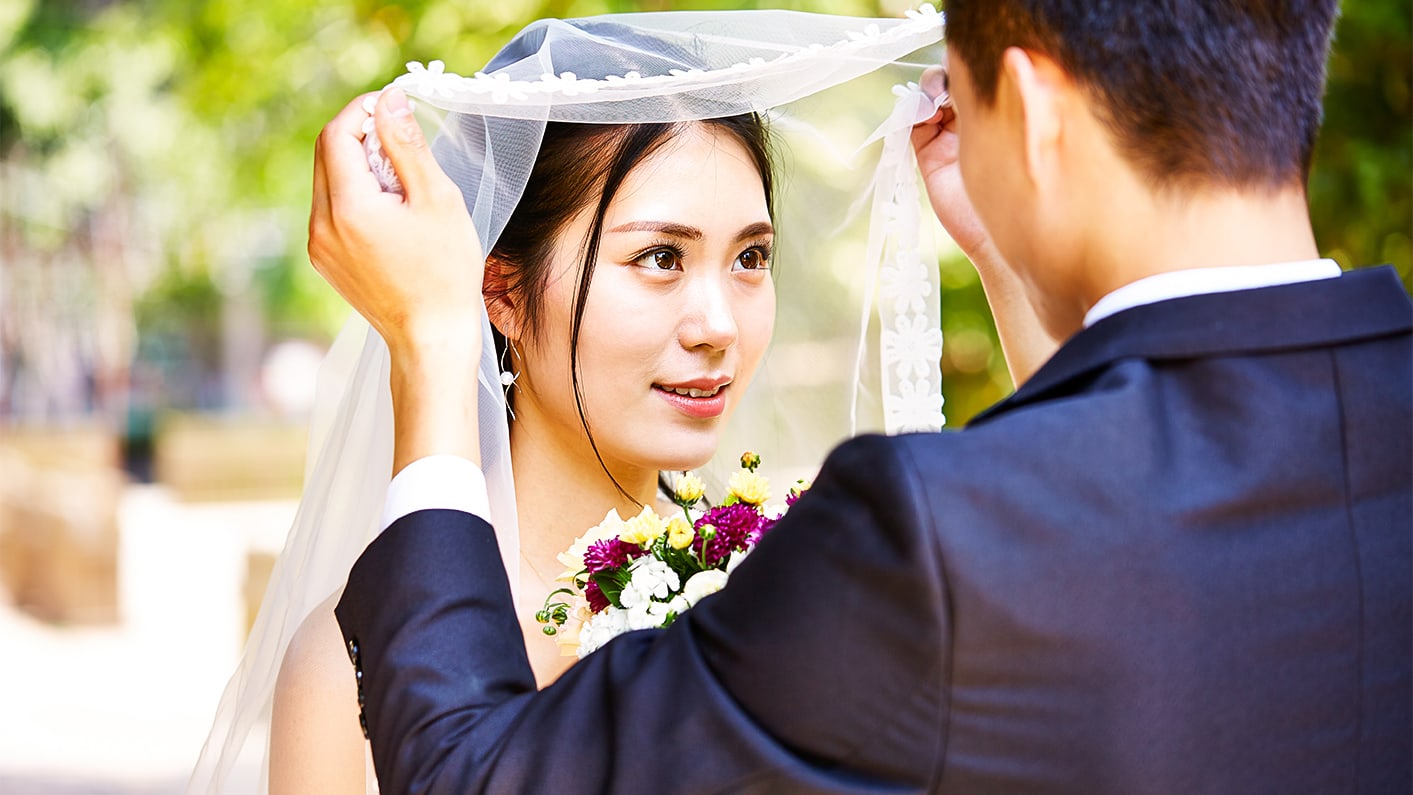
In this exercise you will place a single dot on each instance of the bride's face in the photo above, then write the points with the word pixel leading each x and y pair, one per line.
pixel 678 314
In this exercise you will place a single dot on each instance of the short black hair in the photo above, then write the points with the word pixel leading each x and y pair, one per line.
pixel 1195 92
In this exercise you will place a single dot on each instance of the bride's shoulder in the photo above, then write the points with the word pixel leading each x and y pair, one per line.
pixel 315 742
pixel 316 650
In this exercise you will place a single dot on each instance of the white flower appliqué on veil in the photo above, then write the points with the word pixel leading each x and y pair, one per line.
pixel 913 344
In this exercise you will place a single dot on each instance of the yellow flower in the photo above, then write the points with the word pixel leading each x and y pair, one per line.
pixel 750 460
pixel 573 558
pixel 689 489
pixel 748 487
pixel 679 533
pixel 644 528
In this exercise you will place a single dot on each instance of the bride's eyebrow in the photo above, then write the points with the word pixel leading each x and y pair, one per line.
pixel 661 227
pixel 758 229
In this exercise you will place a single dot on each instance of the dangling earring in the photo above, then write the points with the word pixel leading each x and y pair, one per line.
pixel 507 378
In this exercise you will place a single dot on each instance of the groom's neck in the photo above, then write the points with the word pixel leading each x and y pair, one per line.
pixel 1144 234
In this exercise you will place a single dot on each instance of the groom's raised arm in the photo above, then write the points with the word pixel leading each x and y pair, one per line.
pixel 816 669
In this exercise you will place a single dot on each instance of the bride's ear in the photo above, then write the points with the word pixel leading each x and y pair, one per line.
pixel 501 305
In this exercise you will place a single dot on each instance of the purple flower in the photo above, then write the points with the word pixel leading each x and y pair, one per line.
pixel 597 601
pixel 796 492
pixel 766 525
pixel 611 553
pixel 738 526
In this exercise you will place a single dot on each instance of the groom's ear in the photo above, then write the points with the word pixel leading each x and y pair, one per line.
pixel 1039 89
pixel 502 307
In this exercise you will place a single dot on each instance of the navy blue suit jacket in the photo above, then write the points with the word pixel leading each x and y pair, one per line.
pixel 1177 560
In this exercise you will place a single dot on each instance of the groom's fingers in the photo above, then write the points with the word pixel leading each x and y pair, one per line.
pixel 934 82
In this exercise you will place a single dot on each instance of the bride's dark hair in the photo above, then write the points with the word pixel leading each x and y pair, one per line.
pixel 578 164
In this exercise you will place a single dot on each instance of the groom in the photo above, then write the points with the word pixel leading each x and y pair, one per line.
pixel 1177 559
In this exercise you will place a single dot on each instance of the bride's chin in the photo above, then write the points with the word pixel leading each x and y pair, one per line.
pixel 689 454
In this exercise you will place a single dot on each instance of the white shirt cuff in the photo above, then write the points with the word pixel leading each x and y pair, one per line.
pixel 437 482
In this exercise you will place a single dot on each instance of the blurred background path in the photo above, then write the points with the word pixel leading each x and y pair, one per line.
pixel 124 706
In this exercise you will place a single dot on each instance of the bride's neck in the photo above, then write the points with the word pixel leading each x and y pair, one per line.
pixel 560 489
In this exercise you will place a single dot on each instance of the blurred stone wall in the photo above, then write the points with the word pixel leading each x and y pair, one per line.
pixel 61 487
pixel 59 492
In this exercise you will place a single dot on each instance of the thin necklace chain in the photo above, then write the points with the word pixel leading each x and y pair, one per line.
pixel 533 568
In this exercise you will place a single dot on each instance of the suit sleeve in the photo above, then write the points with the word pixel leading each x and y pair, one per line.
pixel 820 668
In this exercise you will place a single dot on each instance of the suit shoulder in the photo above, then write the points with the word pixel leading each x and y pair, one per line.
pixel 872 456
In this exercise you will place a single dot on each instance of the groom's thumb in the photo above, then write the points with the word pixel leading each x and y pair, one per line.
pixel 406 147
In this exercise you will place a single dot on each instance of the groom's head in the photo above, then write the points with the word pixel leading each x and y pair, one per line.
pixel 1191 90
pixel 1066 101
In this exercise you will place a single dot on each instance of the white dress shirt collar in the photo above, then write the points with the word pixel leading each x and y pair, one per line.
pixel 1201 281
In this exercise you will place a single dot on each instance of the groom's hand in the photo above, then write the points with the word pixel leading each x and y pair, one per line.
pixel 411 264
pixel 936 144
pixel 1024 342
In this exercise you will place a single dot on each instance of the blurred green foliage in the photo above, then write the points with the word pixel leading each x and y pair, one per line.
pixel 188 126
pixel 1361 185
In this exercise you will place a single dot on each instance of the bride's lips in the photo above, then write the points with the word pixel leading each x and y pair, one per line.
pixel 705 398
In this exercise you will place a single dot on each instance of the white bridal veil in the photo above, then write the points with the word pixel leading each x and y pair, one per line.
pixel 850 245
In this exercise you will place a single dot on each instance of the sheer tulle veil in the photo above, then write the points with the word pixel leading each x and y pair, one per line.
pixel 852 255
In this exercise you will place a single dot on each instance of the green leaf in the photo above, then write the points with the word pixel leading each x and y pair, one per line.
pixel 611 583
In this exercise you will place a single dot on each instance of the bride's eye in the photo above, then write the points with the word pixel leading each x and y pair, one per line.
pixel 663 258
pixel 755 258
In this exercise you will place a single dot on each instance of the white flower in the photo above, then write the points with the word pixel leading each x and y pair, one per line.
pixel 650 579
pixel 915 407
pixel 641 616
pixel 631 77
pixel 500 86
pixel 568 84
pixel 905 283
pixel 429 80
pixel 905 89
pixel 926 12
pixel 888 214
pixel 600 629
pixel 702 584
pixel 914 345
pixel 870 32
pixel 739 555
pixel 573 558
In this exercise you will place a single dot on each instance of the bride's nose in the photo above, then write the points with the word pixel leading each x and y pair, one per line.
pixel 709 319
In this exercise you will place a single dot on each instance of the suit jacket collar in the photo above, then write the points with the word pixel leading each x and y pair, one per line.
pixel 1358 305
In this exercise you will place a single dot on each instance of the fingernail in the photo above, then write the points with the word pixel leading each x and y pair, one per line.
pixel 397 103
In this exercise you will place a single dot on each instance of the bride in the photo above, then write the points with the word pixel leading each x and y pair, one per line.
pixel 633 374
pixel 630 292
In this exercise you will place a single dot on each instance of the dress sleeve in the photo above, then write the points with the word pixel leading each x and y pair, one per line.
pixel 819 668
